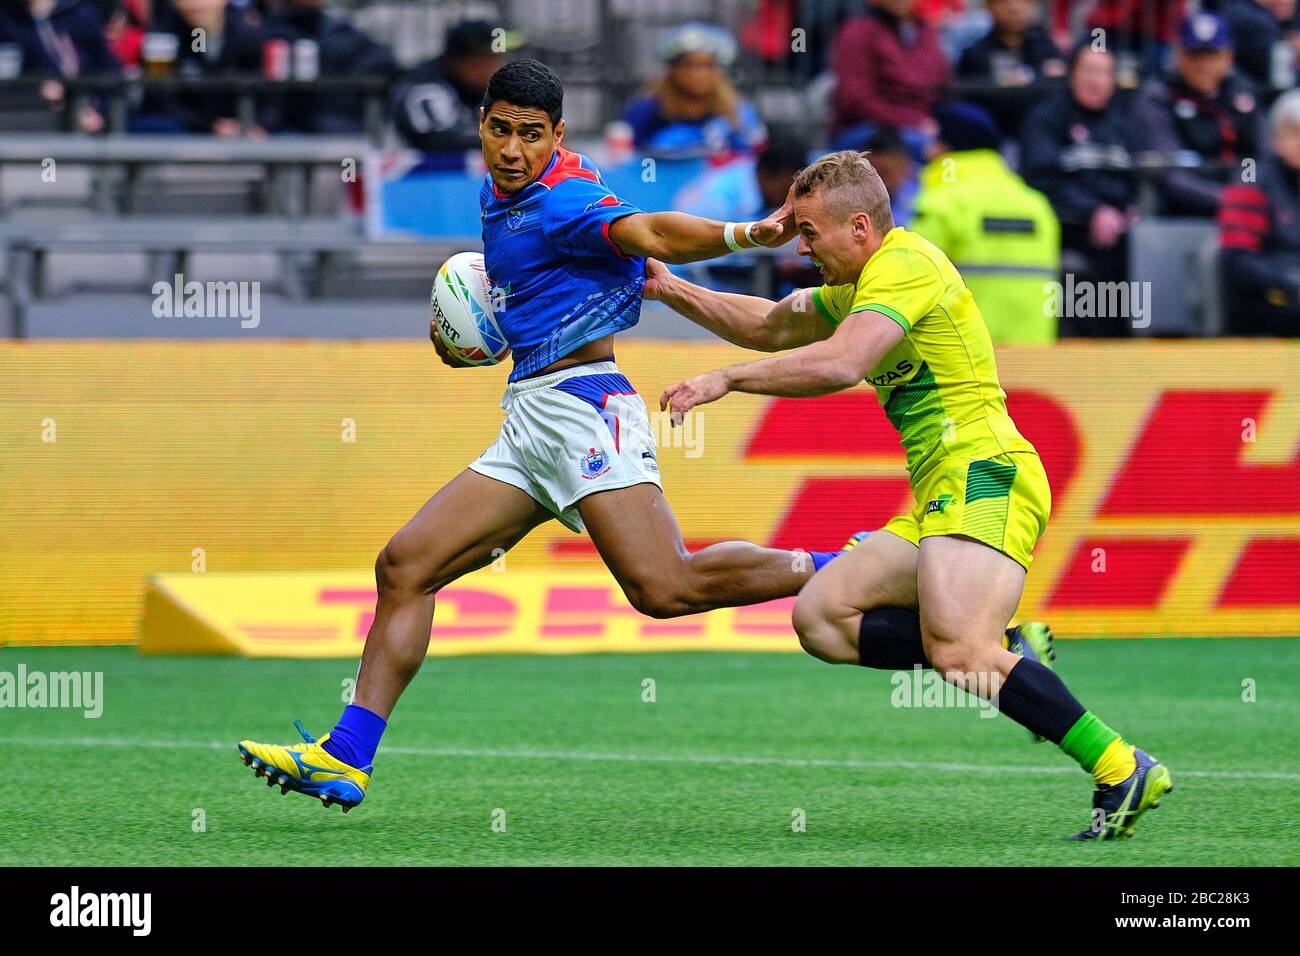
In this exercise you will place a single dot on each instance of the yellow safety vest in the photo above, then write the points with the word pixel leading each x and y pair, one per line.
pixel 1003 237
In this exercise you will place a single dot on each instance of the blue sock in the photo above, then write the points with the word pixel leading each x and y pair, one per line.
pixel 823 558
pixel 355 738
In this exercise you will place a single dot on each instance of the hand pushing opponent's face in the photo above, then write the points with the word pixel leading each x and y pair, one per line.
pixel 518 142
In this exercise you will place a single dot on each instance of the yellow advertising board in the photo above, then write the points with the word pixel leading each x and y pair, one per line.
pixel 488 612
pixel 1175 469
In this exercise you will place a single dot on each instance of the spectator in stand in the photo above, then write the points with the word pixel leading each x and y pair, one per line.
pixel 1077 148
pixel 342 49
pixel 959 23
pixel 1017 52
pixel 1259 235
pixel 1144 28
pixel 59 39
pixel 893 161
pixel 124 22
pixel 743 190
pixel 694 111
pixel 213 39
pixel 436 104
pixel 1001 235
pixel 889 69
pixel 1200 107
pixel 749 187
pixel 1259 27
pixel 936 11
pixel 768 31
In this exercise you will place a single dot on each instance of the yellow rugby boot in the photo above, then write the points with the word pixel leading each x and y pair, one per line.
pixel 307 768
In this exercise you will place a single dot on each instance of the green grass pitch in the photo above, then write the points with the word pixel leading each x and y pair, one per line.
pixel 712 772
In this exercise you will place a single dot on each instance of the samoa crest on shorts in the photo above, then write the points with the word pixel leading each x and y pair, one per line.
pixel 594 464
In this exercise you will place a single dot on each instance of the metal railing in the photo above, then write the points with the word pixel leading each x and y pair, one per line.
pixel 121 93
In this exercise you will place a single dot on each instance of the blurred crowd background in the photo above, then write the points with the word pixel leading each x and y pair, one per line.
pixel 1035 141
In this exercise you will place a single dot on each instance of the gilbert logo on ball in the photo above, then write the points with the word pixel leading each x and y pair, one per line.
pixel 463 311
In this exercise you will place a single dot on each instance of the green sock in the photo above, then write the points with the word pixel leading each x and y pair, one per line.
pixel 1087 740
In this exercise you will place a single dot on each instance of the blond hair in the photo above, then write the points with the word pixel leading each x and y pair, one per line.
pixel 723 101
pixel 849 184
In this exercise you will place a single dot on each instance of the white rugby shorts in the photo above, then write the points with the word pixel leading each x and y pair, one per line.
pixel 570 433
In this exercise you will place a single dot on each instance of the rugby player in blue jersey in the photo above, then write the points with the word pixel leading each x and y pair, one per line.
pixel 576 444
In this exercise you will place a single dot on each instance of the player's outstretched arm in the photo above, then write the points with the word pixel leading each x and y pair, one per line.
pixel 833 364
pixel 746 320
pixel 679 237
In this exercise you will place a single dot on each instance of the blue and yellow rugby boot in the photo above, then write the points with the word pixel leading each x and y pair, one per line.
pixel 1032 640
pixel 307 768
pixel 1116 810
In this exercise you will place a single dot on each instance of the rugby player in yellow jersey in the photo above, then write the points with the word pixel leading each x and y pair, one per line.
pixel 894 311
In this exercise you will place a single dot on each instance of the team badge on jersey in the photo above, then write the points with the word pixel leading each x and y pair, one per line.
pixel 594 464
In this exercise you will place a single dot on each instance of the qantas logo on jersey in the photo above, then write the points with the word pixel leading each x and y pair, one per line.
pixel 899 371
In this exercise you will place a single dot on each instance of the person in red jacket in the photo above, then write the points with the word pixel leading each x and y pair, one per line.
pixel 937 10
pixel 889 70
pixel 1146 27
pixel 124 22
pixel 1259 235
pixel 1152 19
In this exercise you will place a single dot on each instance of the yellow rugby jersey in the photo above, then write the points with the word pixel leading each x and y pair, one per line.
pixel 939 386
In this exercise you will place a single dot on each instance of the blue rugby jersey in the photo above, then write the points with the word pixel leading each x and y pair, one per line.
pixel 562 281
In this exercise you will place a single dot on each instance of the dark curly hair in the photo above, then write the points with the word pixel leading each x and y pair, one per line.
pixel 527 83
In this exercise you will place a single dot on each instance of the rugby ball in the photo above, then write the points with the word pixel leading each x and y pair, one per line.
pixel 462 304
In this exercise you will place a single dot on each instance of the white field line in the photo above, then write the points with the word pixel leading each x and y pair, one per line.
pixel 595 756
